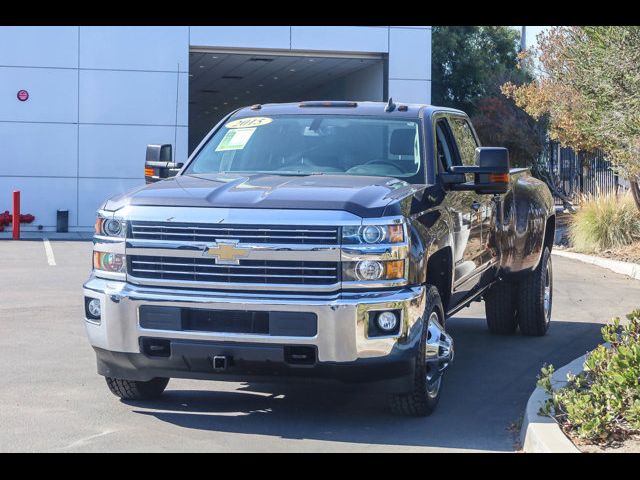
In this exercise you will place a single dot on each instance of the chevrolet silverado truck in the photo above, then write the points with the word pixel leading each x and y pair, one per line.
pixel 317 241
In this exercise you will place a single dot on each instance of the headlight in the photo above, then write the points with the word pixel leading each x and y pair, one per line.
pixel 372 234
pixel 109 262
pixel 371 270
pixel 110 227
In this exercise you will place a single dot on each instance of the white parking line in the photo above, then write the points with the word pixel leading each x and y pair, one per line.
pixel 51 260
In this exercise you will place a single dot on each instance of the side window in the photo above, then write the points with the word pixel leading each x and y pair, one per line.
pixel 443 145
pixel 465 140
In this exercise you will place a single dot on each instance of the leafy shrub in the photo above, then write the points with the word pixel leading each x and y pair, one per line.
pixel 604 222
pixel 603 402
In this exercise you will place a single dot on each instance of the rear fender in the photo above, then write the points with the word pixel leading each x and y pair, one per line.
pixel 527 210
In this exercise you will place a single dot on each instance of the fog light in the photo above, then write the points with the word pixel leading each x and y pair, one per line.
pixel 92 308
pixel 387 321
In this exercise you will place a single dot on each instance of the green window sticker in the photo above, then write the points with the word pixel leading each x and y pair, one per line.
pixel 235 139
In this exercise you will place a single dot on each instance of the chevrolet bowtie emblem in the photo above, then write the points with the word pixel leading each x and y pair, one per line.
pixel 226 252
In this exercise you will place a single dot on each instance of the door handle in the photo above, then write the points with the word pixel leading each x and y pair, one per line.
pixel 476 206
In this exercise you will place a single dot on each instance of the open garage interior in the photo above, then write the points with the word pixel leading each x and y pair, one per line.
pixel 220 82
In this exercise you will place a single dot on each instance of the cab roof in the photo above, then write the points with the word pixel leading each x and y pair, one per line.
pixel 328 107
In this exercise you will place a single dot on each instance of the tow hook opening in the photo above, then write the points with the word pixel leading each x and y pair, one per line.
pixel 220 362
pixel 156 347
pixel 295 355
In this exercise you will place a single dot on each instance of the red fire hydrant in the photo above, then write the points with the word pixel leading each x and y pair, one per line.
pixel 15 218
pixel 16 215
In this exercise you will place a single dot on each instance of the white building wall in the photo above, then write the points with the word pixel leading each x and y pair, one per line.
pixel 99 95
pixel 410 64
pixel 39 137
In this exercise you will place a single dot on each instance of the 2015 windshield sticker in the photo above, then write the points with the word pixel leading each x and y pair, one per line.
pixel 235 139
pixel 249 122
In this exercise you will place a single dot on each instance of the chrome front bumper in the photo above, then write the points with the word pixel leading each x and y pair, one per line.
pixel 342 318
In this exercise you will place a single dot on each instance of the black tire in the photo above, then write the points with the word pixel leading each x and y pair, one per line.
pixel 500 308
pixel 421 401
pixel 136 390
pixel 533 319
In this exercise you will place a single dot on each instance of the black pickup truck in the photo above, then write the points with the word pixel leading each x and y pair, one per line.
pixel 317 240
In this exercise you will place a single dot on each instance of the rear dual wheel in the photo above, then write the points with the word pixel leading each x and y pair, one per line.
pixel 526 304
pixel 535 296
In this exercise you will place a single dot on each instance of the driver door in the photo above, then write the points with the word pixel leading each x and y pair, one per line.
pixel 465 211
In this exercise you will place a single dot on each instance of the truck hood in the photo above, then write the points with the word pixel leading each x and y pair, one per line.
pixel 361 195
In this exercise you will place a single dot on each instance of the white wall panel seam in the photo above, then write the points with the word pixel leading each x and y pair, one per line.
pixel 73 177
pixel 410 28
pixel 175 130
pixel 96 69
pixel 78 142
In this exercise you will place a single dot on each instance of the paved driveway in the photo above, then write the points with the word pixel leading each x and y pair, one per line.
pixel 52 400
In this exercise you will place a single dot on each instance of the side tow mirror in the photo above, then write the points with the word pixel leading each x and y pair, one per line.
pixel 491 175
pixel 159 163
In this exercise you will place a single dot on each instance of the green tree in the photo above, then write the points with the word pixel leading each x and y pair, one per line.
pixel 589 87
pixel 469 66
pixel 467 62
pixel 500 123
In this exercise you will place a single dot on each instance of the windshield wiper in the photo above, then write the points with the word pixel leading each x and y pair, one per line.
pixel 289 173
pixel 299 174
pixel 240 172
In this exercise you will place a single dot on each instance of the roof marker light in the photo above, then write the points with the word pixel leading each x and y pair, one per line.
pixel 329 104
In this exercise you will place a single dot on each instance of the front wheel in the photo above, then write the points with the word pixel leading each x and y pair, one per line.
pixel 137 390
pixel 434 355
pixel 536 297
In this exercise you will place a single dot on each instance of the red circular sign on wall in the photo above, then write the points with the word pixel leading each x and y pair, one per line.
pixel 23 95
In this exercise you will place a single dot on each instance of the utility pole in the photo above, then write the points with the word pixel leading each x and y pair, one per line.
pixel 523 38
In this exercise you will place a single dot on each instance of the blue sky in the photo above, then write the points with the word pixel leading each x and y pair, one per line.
pixel 532 32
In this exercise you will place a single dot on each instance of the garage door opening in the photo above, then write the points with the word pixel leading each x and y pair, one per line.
pixel 220 82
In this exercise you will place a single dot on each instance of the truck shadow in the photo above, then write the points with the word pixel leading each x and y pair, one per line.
pixel 484 393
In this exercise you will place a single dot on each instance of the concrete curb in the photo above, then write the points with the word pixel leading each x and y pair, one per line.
pixel 625 268
pixel 542 434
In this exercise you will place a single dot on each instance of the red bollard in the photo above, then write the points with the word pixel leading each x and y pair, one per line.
pixel 16 215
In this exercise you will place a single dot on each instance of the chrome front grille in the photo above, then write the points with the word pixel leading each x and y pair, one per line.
pixel 202 232
pixel 267 272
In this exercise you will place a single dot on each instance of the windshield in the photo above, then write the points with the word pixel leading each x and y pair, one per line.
pixel 312 144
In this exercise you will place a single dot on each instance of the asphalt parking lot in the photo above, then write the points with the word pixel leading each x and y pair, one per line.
pixel 52 399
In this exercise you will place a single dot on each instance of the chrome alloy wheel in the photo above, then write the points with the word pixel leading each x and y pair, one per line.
pixel 548 291
pixel 438 354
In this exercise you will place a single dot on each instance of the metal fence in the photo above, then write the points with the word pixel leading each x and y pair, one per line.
pixel 577 173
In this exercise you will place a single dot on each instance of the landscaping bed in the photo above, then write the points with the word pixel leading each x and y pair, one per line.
pixel 629 446
pixel 607 226
pixel 599 408
pixel 628 253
